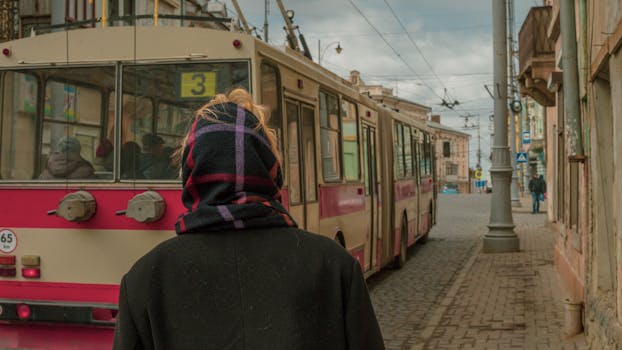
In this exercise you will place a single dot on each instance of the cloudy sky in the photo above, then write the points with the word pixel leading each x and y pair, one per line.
pixel 426 50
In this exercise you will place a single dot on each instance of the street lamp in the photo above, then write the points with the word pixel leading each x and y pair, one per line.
pixel 321 53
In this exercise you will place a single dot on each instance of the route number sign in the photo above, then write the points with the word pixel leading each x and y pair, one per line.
pixel 8 241
pixel 478 174
pixel 197 84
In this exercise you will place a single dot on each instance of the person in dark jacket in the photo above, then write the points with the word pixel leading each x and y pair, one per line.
pixel 537 187
pixel 240 274
pixel 67 163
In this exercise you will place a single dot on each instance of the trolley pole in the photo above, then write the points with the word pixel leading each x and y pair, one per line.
pixel 500 237
pixel 265 20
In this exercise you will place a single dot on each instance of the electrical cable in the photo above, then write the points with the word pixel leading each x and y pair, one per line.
pixel 394 50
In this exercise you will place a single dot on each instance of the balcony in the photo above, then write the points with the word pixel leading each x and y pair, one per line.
pixel 536 56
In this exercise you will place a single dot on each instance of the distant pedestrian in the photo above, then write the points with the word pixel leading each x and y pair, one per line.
pixel 542 188
pixel 537 187
pixel 240 274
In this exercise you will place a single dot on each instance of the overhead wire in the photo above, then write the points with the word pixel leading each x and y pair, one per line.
pixel 393 49
pixel 414 44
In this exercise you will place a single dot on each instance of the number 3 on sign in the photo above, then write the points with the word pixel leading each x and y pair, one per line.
pixel 8 241
pixel 197 84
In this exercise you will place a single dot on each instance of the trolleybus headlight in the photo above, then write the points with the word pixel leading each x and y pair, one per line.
pixel 31 272
pixel 23 311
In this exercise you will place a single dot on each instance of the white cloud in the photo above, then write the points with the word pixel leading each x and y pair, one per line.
pixel 454 35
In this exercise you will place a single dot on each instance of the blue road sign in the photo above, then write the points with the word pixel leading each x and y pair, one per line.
pixel 480 183
pixel 526 137
pixel 521 157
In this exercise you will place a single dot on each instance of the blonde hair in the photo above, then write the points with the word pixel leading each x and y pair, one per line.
pixel 242 98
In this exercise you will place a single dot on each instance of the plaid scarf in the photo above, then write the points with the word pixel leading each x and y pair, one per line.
pixel 231 176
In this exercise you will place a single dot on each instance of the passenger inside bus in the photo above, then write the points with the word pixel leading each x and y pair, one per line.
pixel 67 163
pixel 153 162
pixel 104 155
pixel 130 161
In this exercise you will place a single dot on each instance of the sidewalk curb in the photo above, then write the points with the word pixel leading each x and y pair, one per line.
pixel 435 319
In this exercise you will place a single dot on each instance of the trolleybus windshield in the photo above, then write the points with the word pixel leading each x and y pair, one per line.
pixel 59 123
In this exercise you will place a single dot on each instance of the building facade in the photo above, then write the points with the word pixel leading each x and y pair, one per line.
pixel 532 122
pixel 583 158
pixel 385 97
pixel 28 17
pixel 452 155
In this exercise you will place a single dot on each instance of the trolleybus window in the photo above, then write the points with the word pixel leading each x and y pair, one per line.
pixel 408 152
pixel 308 157
pixel 18 125
pixel 159 103
pixel 349 124
pixel 293 156
pixel 329 137
pixel 399 150
pixel 52 122
pixel 270 98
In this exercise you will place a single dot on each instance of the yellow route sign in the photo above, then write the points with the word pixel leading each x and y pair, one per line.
pixel 197 84
pixel 478 174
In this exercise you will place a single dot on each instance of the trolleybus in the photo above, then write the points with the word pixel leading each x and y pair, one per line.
pixel 88 118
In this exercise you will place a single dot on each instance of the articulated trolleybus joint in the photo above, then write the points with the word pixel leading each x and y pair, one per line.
pixel 77 206
pixel 146 207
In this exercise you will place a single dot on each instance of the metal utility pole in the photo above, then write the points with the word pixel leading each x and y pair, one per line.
pixel 265 20
pixel 473 126
pixel 572 109
pixel 515 107
pixel 500 237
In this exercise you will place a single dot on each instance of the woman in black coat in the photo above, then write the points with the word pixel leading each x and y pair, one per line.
pixel 240 274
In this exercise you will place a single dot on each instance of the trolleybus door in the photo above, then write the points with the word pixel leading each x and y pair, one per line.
pixel 301 165
pixel 370 176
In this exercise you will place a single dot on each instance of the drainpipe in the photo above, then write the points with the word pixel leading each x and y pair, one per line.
pixel 572 110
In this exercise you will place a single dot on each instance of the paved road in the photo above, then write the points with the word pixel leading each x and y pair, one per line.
pixel 404 299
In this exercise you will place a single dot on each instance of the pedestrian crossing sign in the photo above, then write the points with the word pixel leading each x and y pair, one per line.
pixel 521 157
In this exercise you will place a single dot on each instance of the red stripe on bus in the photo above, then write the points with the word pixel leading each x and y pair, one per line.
pixel 51 291
pixel 52 336
pixel 29 207
pixel 341 200
pixel 405 189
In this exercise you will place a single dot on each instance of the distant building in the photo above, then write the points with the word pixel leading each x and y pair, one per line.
pixel 452 155
pixel 452 146
pixel 28 17
pixel 385 97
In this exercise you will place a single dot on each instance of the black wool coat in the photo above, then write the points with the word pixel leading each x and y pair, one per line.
pixel 277 288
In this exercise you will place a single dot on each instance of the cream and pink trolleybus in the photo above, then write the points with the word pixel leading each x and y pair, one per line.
pixel 88 120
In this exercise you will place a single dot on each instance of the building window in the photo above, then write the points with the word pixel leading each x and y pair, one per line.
pixel 451 169
pixel 446 149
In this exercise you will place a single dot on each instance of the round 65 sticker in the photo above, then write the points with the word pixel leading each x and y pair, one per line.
pixel 8 241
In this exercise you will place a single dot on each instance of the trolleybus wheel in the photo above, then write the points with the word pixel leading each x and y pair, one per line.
pixel 424 239
pixel 400 259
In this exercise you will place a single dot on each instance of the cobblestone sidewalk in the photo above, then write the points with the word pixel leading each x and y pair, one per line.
pixel 504 301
